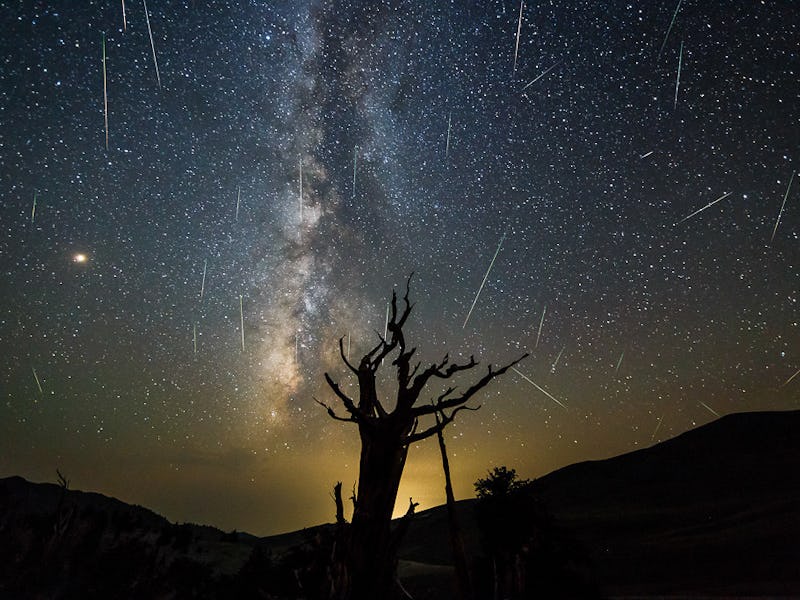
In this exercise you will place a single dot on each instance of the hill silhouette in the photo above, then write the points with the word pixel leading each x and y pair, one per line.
pixel 712 512
pixel 57 543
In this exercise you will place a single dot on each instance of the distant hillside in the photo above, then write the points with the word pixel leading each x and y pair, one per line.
pixel 712 512
pixel 57 543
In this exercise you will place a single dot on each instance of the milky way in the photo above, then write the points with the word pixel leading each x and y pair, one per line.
pixel 274 170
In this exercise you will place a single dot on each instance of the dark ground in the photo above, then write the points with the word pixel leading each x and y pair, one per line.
pixel 714 512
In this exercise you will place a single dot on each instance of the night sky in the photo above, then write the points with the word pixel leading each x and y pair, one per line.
pixel 287 164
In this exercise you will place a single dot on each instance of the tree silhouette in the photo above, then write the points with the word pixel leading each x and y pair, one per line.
pixel 386 434
pixel 528 554
pixel 501 481
pixel 463 583
pixel 508 521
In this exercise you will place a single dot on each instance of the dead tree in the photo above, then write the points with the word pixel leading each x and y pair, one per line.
pixel 386 434
pixel 337 499
pixel 463 585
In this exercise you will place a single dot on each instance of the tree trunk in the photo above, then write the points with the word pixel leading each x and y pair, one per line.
pixel 337 499
pixel 463 585
pixel 372 560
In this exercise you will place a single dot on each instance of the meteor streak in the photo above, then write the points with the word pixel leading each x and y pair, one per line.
pixel 619 362
pixel 152 45
pixel 777 222
pixel 541 322
pixel 203 282
pixel 541 389
pixel 483 283
pixel 385 327
pixel 124 18
pixel 238 199
pixel 711 410
pixel 355 162
pixel 301 192
pixel 447 145
pixel 241 319
pixel 671 23
pixel 33 209
pixel 540 75
pixel 519 30
pixel 105 90
pixel 194 337
pixel 785 383
pixel 646 155
pixel 678 77
pixel 555 362
pixel 702 209
pixel 38 384
pixel 652 437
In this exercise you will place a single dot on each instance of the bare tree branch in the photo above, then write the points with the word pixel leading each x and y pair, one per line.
pixel 346 400
pixel 408 304
pixel 394 326
pixel 344 358
pixel 416 368
pixel 387 347
pixel 445 394
pixel 439 371
pixel 403 364
pixel 445 403
pixel 333 415
pixel 62 481
pixel 441 423
pixel 455 368
pixel 379 410
pixel 368 361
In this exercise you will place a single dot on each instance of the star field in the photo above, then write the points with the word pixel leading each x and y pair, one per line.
pixel 292 162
